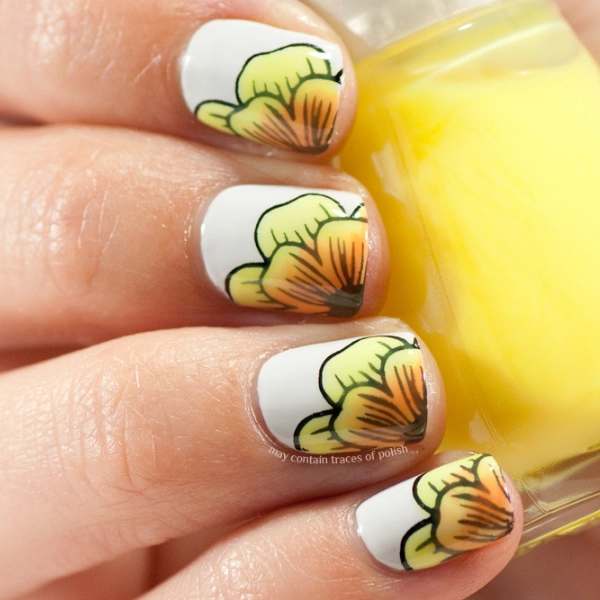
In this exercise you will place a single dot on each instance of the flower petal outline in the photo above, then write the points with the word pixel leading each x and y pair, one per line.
pixel 314 435
pixel 243 285
pixel 288 98
pixel 279 72
pixel 295 222
pixel 360 363
pixel 469 507
pixel 364 415
pixel 315 259
pixel 324 281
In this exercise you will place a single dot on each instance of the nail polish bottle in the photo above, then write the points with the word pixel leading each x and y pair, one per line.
pixel 478 134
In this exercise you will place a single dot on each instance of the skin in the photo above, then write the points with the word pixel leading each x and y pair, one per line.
pixel 133 464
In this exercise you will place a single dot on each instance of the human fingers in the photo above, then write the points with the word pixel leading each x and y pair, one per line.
pixel 584 16
pixel 100 236
pixel 143 439
pixel 443 533
pixel 265 76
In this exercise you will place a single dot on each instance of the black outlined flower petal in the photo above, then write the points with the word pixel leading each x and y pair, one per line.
pixel 288 98
pixel 377 391
pixel 469 508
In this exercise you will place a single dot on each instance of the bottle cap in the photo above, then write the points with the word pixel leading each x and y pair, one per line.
pixel 369 25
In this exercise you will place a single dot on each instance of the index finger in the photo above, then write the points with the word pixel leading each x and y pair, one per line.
pixel 252 75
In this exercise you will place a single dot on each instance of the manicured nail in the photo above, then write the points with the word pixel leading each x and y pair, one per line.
pixel 270 85
pixel 427 520
pixel 346 396
pixel 286 248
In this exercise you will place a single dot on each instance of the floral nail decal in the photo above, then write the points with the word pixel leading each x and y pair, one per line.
pixel 377 392
pixel 430 519
pixel 285 95
pixel 314 259
pixel 351 395
pixel 469 508
pixel 286 98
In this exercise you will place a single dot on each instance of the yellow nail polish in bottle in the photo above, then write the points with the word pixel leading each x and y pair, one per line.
pixel 478 134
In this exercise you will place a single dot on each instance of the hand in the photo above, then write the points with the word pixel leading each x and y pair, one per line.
pixel 143 446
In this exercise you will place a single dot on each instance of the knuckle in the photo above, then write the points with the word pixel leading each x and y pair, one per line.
pixel 62 40
pixel 123 428
pixel 80 225
pixel 58 213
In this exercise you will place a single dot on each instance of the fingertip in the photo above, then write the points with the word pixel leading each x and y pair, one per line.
pixel 159 80
pixel 279 83
pixel 452 528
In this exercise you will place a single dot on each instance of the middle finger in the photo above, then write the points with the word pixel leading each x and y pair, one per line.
pixel 100 237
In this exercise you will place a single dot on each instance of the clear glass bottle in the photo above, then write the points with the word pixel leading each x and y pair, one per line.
pixel 478 134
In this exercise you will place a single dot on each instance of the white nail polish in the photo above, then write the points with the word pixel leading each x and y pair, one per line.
pixel 287 248
pixel 427 520
pixel 346 396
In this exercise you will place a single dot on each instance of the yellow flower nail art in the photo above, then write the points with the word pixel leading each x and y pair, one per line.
pixel 377 392
pixel 315 258
pixel 287 98
pixel 469 508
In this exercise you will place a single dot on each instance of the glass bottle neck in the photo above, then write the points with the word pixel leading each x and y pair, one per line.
pixel 370 25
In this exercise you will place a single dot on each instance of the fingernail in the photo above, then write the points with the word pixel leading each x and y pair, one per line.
pixel 346 396
pixel 287 249
pixel 269 85
pixel 428 520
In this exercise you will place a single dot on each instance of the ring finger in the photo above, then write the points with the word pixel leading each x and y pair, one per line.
pixel 150 437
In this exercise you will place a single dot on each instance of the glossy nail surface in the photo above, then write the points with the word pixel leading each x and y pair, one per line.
pixel 346 396
pixel 262 83
pixel 288 249
pixel 427 520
